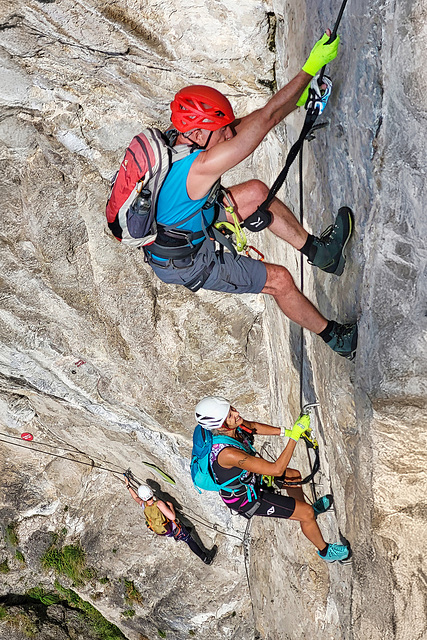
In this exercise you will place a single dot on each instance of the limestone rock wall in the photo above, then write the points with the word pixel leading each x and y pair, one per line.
pixel 78 81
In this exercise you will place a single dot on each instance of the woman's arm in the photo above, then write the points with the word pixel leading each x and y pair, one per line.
pixel 166 509
pixel 134 495
pixel 262 429
pixel 233 457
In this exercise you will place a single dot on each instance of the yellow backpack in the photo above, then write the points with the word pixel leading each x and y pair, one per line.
pixel 155 519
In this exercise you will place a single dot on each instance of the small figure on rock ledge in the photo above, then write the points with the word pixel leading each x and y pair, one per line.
pixel 161 518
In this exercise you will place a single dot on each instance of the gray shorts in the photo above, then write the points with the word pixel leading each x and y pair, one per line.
pixel 238 274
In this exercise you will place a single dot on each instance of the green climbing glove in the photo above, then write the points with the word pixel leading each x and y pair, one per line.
pixel 301 425
pixel 321 54
pixel 301 102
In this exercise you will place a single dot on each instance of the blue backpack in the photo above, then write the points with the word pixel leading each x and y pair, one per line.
pixel 201 471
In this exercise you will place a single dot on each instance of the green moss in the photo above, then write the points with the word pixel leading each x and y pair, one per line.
pixel 21 622
pixel 105 630
pixel 129 613
pixel 46 597
pixel 69 561
pixel 3 613
pixel 131 593
pixel 104 580
pixel 161 633
pixel 4 566
pixel 20 556
pixel 10 535
pixel 191 632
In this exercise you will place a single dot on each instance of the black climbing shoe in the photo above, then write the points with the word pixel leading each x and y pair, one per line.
pixel 209 557
pixel 323 504
pixel 343 339
pixel 327 252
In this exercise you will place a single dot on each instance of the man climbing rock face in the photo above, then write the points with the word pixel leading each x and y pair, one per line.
pixel 190 203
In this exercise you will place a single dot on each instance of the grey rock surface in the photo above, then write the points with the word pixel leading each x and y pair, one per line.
pixel 104 363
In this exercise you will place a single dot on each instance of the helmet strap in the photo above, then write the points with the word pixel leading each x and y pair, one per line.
pixel 195 144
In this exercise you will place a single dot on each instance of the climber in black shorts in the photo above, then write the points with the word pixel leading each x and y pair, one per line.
pixel 241 470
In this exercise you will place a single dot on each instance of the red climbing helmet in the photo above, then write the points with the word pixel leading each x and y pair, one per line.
pixel 199 106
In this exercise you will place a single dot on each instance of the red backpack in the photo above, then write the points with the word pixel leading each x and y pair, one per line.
pixel 131 207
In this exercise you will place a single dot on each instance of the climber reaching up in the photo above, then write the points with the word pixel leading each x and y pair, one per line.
pixel 161 518
pixel 228 463
pixel 191 202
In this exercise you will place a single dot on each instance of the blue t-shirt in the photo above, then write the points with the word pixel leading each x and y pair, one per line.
pixel 174 203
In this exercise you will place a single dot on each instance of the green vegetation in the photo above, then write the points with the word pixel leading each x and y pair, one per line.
pixel 106 630
pixel 21 622
pixel 69 561
pixel 10 535
pixel 4 566
pixel 161 633
pixel 20 556
pixel 104 580
pixel 131 593
pixel 191 632
pixel 129 613
pixel 46 597
pixel 3 613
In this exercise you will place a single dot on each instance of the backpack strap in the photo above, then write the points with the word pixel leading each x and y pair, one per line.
pixel 235 483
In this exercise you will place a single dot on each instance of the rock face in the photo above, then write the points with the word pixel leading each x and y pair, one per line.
pixel 103 364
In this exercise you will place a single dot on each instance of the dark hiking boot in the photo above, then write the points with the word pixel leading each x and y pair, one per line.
pixel 327 252
pixel 343 339
pixel 323 504
pixel 209 558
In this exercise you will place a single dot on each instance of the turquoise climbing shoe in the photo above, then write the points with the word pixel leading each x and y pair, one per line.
pixel 327 252
pixel 323 504
pixel 336 553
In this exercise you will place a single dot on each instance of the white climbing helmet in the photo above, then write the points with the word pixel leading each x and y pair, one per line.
pixel 212 411
pixel 145 492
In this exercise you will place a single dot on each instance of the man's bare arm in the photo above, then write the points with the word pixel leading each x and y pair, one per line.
pixel 250 131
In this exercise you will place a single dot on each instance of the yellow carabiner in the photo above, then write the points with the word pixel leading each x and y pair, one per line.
pixel 235 228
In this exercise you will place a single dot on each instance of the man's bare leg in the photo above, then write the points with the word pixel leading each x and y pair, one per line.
pixel 291 301
pixel 249 195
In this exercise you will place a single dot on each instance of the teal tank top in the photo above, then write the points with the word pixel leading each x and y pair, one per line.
pixel 174 203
